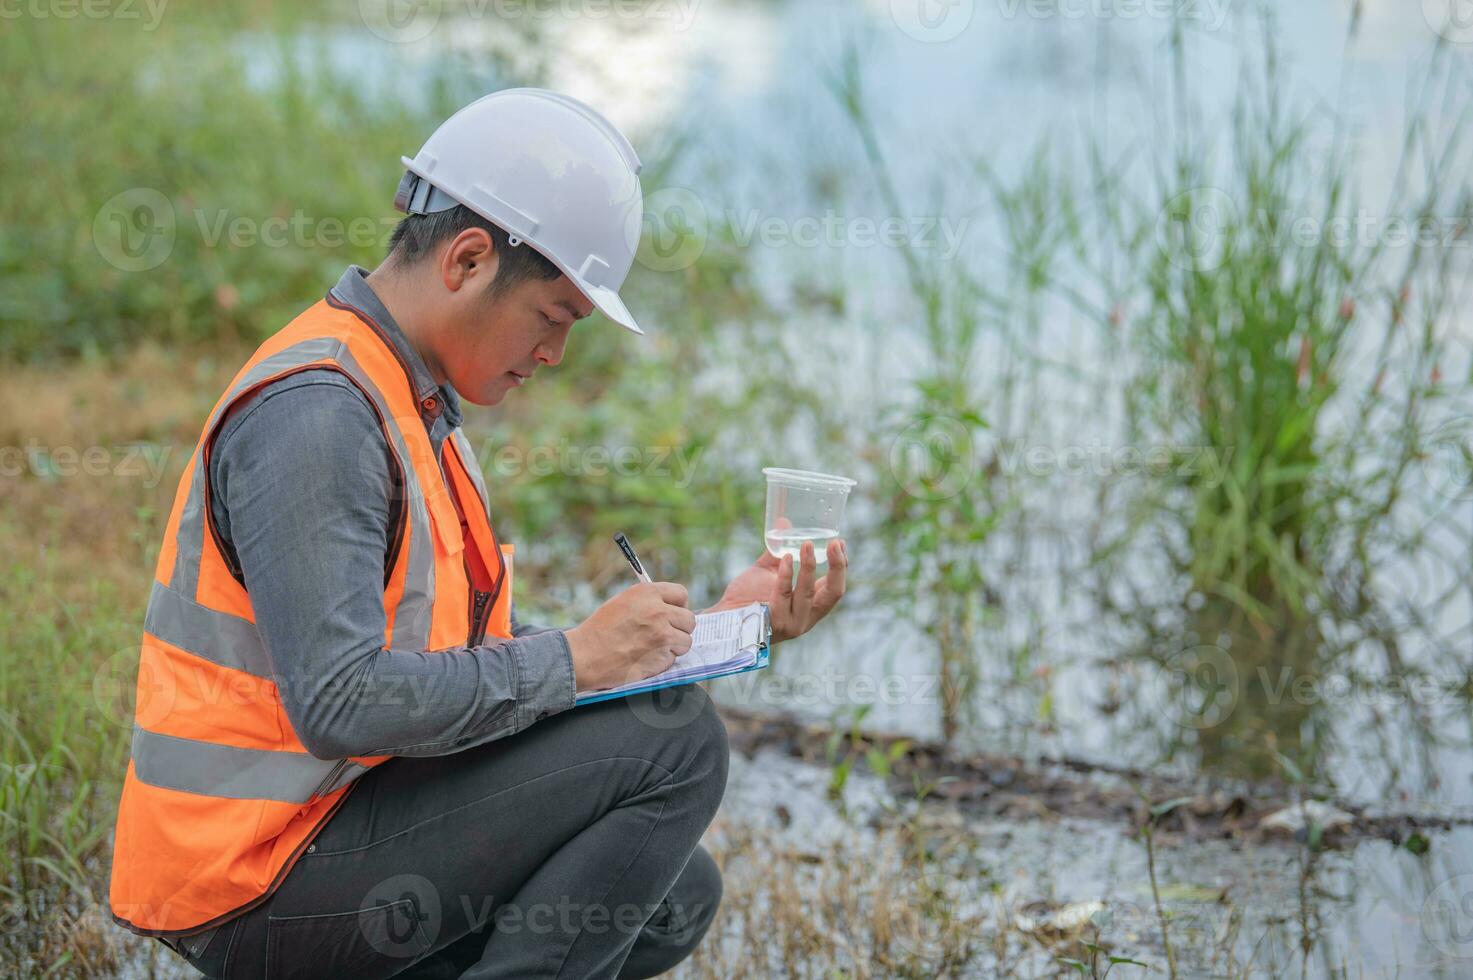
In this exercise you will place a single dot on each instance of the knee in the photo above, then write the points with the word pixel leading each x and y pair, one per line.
pixel 711 753
pixel 691 736
pixel 691 906
pixel 680 922
pixel 701 886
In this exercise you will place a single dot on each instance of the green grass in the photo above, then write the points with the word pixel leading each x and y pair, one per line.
pixel 1304 359
pixel 211 127
pixel 66 685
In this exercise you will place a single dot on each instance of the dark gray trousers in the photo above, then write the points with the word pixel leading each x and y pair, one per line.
pixel 567 850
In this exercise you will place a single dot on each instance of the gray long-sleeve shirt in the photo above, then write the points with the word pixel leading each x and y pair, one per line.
pixel 306 512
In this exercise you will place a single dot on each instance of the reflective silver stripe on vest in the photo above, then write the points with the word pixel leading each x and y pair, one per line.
pixel 412 615
pixel 473 467
pixel 191 537
pixel 216 636
pixel 207 769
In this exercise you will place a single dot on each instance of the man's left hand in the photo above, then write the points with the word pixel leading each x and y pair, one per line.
pixel 795 609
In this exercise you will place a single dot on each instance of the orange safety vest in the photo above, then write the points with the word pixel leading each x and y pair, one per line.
pixel 220 796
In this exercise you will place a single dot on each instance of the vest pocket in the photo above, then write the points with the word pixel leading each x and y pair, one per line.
pixel 368 943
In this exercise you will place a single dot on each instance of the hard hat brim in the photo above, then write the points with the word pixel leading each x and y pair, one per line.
pixel 609 304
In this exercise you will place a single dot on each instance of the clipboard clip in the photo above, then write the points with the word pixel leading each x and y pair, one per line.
pixel 764 630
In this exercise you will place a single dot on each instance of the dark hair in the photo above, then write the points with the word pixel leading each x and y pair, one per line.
pixel 418 234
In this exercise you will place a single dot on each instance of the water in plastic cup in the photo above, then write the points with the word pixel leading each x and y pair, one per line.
pixel 803 506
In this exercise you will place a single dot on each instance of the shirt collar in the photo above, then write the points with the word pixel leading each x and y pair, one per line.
pixel 354 290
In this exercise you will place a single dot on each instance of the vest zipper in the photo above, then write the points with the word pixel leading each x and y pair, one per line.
pixel 479 603
pixel 326 784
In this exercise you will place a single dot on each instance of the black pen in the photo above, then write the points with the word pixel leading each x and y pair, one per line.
pixel 634 561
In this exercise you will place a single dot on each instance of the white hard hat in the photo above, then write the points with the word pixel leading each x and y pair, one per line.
pixel 549 170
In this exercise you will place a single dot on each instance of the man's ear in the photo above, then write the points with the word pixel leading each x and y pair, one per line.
pixel 469 260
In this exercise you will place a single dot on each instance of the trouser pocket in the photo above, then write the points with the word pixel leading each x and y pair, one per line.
pixel 373 942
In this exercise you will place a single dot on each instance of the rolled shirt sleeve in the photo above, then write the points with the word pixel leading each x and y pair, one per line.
pixel 300 488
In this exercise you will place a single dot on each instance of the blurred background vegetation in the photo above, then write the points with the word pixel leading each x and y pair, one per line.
pixel 176 193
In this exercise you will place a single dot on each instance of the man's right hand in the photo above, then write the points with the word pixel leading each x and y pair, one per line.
pixel 634 635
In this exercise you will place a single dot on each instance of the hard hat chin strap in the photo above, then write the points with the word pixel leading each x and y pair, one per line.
pixel 418 196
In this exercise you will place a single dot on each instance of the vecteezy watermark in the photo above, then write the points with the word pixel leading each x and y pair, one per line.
pixel 677 228
pixel 668 708
pixel 933 458
pixel 1201 686
pixel 132 461
pixel 400 917
pixel 1198 687
pixel 299 230
pixel 408 21
pixel 142 687
pixel 933 911
pixel 1452 19
pixel 146 13
pixel 1275 686
pixel 1192 229
pixel 134 231
pixel 835 230
pixel 1204 465
pixel 1447 917
pixel 1446 461
pixel 1197 229
pixel 678 463
pixel 130 689
pixel 139 228
pixel 567 917
pixel 932 21
pixel 505 462
pixel 834 687
pixel 1208 14
pixel 938 457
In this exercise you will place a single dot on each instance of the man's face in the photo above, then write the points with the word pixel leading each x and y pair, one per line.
pixel 493 343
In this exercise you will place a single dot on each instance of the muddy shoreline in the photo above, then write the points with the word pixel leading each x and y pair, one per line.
pixel 1010 787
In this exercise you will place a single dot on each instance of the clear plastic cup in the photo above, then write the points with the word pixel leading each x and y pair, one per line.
pixel 803 506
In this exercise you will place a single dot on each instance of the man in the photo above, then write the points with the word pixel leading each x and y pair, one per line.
pixel 349 757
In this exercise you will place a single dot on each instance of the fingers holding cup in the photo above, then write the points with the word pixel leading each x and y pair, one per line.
pixel 831 586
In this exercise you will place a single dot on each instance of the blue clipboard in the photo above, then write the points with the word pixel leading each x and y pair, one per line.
pixel 764 651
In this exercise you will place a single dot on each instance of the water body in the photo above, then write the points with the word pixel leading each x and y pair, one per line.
pixel 768 163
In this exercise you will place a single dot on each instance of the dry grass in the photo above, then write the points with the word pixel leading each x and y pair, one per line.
pixel 98 522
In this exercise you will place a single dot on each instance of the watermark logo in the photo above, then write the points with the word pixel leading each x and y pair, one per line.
pixel 1446 461
pixel 1198 687
pixel 937 457
pixel 1452 19
pixel 511 462
pixel 1210 15
pixel 400 21
pixel 932 912
pixel 408 21
pixel 410 916
pixel 128 689
pixel 1447 917
pixel 932 21
pixel 139 460
pixel 670 707
pixel 675 230
pixel 1192 229
pixel 381 466
pixel 933 458
pixel 151 12
pixel 134 231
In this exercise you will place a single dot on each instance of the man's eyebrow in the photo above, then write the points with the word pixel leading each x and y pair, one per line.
pixel 571 310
